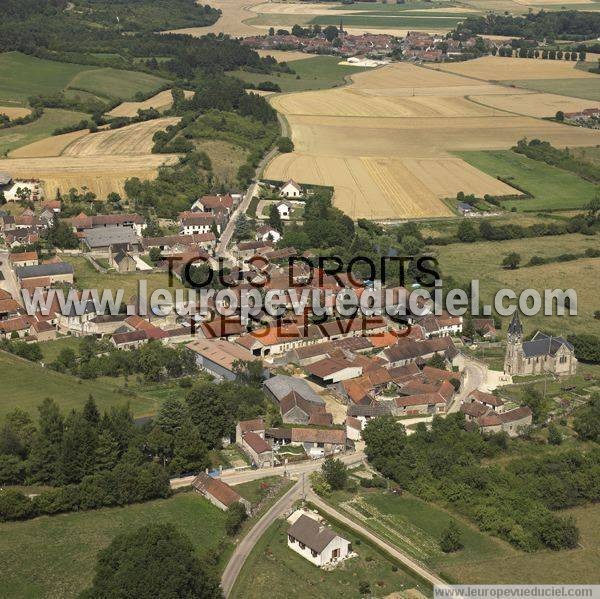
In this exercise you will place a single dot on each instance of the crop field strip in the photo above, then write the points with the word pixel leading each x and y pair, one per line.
pixel 360 135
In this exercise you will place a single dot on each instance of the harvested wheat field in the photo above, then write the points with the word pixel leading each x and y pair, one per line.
pixel 49 146
pixel 132 140
pixel 161 101
pixel 285 55
pixel 14 112
pixel 231 21
pixel 537 105
pixel 99 176
pixel 496 68
pixel 388 153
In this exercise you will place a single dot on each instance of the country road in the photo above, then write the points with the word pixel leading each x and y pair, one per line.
pixel 227 233
pixel 247 544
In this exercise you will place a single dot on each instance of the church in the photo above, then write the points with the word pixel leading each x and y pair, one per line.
pixel 543 354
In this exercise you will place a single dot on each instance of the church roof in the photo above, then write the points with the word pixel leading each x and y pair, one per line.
pixel 544 345
pixel 515 327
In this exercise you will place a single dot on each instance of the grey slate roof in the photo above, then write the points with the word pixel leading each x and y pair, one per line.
pixel 281 385
pixel 378 409
pixel 44 270
pixel 105 236
pixel 544 345
pixel 313 534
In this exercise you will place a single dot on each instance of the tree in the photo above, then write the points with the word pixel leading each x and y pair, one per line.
pixel 154 562
pixel 335 473
pixel 511 261
pixel 450 540
pixel 468 327
pixel 560 116
pixel 275 218
pixel 209 413
pixel 78 449
pixel 330 32
pixel 243 227
pixel 554 435
pixel 249 372
pixel 437 361
pixel 107 452
pixel 236 514
pixel 466 232
pixel 587 420
pixel 155 254
pixel 190 454
pixel 171 416
pixel 285 145
pixel 91 412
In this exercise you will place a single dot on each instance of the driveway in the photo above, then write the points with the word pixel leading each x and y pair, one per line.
pixel 475 377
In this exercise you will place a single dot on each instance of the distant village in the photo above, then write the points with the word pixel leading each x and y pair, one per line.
pixel 415 46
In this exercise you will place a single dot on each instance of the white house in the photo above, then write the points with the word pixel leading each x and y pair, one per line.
pixel 267 233
pixel 284 209
pixel 290 189
pixel 315 541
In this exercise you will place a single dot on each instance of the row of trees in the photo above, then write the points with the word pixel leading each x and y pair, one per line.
pixel 154 361
pixel 444 465
pixel 543 54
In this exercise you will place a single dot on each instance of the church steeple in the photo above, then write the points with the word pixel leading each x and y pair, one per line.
pixel 515 328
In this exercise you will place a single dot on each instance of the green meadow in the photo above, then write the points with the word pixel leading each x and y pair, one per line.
pixel 320 72
pixel 552 188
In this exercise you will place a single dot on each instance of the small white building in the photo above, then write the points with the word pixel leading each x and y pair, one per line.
pixel 290 189
pixel 267 233
pixel 284 209
pixel 315 541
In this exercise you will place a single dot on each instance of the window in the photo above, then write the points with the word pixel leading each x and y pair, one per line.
pixel 291 539
pixel 302 546
pixel 313 553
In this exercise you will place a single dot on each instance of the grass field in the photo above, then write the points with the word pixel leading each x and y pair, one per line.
pixel 114 83
pixel 272 569
pixel 577 566
pixel 551 187
pixel 416 526
pixel 482 261
pixel 25 384
pixel 319 72
pixel 54 556
pixel 22 76
pixel 578 88
pixel 87 277
pixel 23 135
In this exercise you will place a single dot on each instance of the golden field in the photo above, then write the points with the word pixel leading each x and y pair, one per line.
pixel 358 138
pixel 535 104
pixel 161 101
pixel 14 112
pixel 498 68
pixel 132 140
pixel 101 162
pixel 54 145
pixel 99 176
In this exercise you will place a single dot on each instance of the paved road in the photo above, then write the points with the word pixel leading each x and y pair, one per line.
pixel 225 237
pixel 475 377
pixel 247 544
pixel 391 549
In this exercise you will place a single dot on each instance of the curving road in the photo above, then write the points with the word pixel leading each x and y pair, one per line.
pixel 247 544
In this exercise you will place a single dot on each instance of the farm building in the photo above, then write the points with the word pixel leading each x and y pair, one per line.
pixel 218 357
pixel 59 272
pixel 218 492
pixel 101 239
